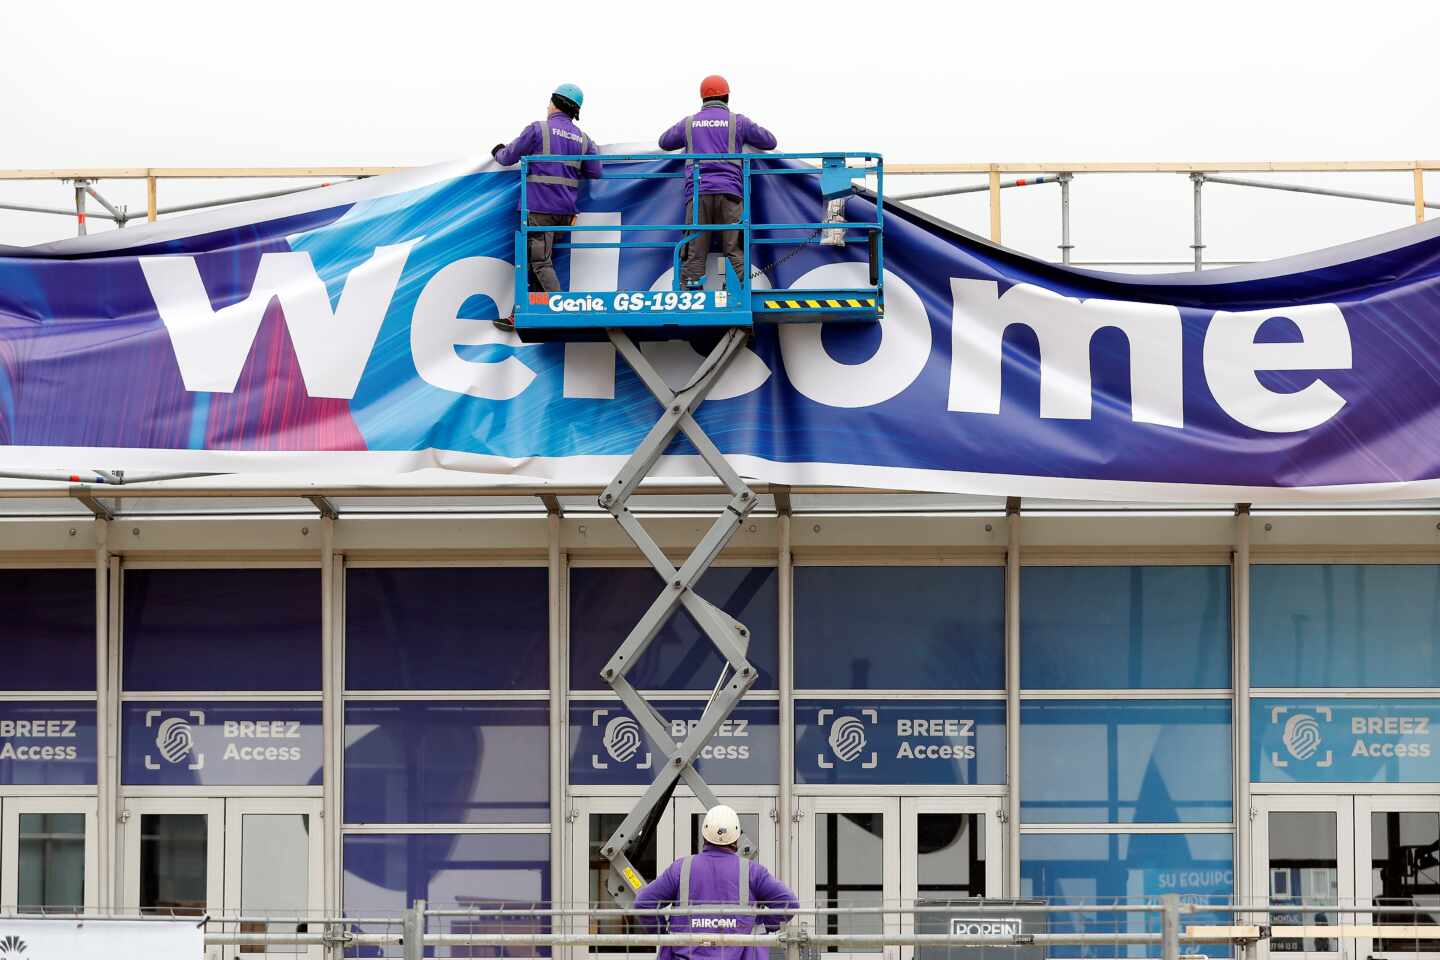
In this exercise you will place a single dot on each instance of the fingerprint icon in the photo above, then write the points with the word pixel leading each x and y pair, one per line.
pixel 622 739
pixel 847 738
pixel 1301 736
pixel 175 739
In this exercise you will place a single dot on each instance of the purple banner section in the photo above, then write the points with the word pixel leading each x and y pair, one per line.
pixel 348 329
pixel 221 743
pixel 49 743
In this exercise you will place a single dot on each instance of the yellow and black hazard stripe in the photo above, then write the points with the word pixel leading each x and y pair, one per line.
pixel 818 304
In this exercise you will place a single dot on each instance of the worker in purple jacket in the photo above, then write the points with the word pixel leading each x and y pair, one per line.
pixel 551 187
pixel 717 876
pixel 715 130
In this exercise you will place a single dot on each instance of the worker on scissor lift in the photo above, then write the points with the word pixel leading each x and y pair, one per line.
pixel 715 130
pixel 551 187
pixel 717 876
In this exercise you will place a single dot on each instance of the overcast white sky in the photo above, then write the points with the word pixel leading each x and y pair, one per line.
pixel 282 83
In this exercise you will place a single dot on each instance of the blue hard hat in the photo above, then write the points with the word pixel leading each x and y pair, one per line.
pixel 571 92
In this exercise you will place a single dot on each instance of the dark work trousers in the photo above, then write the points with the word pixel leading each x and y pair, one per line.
pixel 542 250
pixel 714 208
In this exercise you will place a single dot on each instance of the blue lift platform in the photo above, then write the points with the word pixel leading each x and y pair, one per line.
pixel 732 311
pixel 580 314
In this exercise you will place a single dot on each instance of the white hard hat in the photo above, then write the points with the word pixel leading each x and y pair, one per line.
pixel 722 825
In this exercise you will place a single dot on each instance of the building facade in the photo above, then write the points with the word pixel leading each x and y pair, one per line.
pixel 244 707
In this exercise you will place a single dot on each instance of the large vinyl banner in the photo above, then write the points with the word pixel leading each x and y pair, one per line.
pixel 346 330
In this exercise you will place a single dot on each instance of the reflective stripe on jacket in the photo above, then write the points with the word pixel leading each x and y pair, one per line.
pixel 552 186
pixel 715 129
pixel 715 876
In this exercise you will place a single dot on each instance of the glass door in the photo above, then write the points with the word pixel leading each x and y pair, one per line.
pixel 594 820
pixel 1397 863
pixel 173 856
pixel 1304 853
pixel 757 820
pixel 274 856
pixel 849 858
pixel 949 850
pixel 47 854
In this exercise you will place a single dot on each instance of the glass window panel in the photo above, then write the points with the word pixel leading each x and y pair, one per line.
pixel 173 866
pixel 447 628
pixel 447 762
pixel 749 825
pixel 51 862
pixel 1303 867
pixel 1345 625
pixel 49 629
pixel 1125 761
pixel 47 742
pixel 602 827
pixel 1099 628
pixel 250 629
pixel 606 603
pixel 274 872
pixel 850 871
pixel 1126 868
pixel 950 855
pixel 1405 871
pixel 909 628
pixel 385 873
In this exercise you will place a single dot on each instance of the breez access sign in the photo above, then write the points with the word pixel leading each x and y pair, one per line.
pixel 1371 740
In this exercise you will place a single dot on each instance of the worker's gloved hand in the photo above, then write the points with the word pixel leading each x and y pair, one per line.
pixel 495 150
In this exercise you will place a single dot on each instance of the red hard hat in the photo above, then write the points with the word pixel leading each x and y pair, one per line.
pixel 714 86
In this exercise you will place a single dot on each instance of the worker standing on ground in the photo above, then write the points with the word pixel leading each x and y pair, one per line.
pixel 717 876
pixel 551 186
pixel 714 130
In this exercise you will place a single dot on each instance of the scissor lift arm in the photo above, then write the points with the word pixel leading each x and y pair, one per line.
pixel 734 310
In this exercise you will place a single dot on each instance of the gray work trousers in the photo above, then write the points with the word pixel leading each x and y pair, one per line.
pixel 714 208
pixel 542 250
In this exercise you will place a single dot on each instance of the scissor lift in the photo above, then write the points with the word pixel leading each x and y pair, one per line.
pixel 732 310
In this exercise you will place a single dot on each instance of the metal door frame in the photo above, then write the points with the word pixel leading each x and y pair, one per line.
pixel 578 859
pixel 236 809
pixel 1343 807
pixel 811 808
pixel 133 813
pixel 988 808
pixel 1365 805
pixel 10 810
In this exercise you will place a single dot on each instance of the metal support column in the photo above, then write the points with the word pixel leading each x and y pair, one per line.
pixel 1012 699
pixel 412 932
pixel 332 717
pixel 1198 245
pixel 785 575
pixel 728 635
pixel 108 733
pixel 1170 927
pixel 555 567
pixel 80 186
pixel 1240 679
pixel 787 821
pixel 1065 245
pixel 105 790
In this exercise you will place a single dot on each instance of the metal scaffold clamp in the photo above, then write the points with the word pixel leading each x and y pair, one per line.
pixel 729 636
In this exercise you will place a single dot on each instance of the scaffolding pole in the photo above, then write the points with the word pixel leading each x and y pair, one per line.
pixel 1065 245
pixel 1198 244
pixel 1418 202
